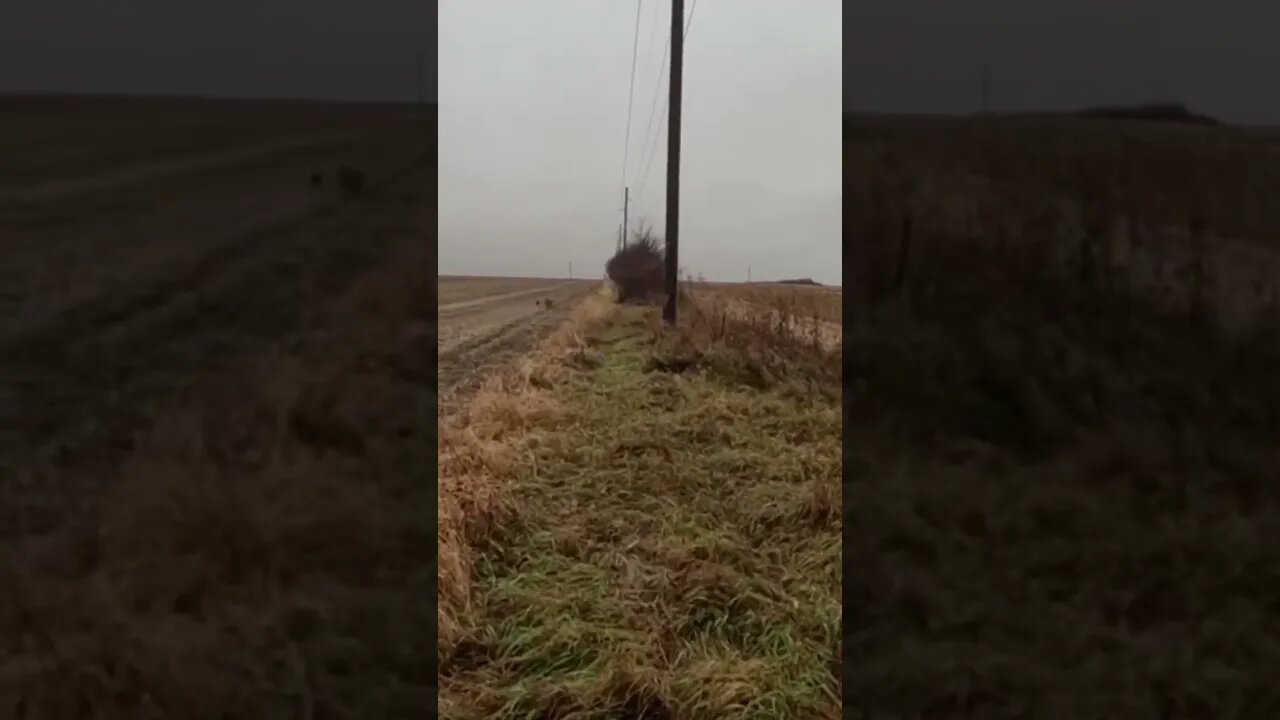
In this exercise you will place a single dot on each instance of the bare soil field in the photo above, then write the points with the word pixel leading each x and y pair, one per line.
pixel 484 321
pixel 124 276
pixel 59 138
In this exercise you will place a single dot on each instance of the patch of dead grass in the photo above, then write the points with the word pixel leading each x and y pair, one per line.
pixel 798 301
pixel 259 554
pixel 478 445
pixel 1060 483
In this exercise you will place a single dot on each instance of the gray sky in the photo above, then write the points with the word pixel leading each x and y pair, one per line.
pixel 319 49
pixel 925 56
pixel 533 112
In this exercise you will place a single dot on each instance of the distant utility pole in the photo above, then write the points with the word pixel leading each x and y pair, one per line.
pixel 986 89
pixel 571 271
pixel 748 273
pixel 673 158
pixel 626 204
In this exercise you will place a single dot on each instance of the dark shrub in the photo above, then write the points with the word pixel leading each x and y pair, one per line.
pixel 638 269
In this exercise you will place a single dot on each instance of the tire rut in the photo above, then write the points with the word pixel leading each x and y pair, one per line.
pixel 464 365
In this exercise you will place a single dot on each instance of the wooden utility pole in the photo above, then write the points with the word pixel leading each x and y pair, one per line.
pixel 570 271
pixel 626 203
pixel 673 159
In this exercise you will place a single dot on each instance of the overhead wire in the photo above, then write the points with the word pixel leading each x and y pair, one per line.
pixel 631 96
pixel 666 100
pixel 657 88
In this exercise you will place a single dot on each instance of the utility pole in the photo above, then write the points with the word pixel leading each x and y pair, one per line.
pixel 748 273
pixel 571 270
pixel 626 204
pixel 673 159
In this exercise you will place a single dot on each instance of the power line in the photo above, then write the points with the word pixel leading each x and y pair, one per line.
pixel 653 151
pixel 631 96
pixel 653 105
pixel 662 123
pixel 653 30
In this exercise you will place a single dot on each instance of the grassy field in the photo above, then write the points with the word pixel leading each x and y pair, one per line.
pixel 1061 422
pixel 646 523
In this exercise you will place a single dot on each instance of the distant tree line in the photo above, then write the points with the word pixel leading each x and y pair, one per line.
pixel 1170 112
pixel 1159 112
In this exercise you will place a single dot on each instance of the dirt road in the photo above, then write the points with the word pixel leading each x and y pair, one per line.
pixel 483 322
pixel 128 282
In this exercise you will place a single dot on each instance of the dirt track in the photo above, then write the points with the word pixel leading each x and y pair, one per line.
pixel 483 322
pixel 129 281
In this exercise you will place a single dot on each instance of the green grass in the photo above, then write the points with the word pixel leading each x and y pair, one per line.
pixel 674 549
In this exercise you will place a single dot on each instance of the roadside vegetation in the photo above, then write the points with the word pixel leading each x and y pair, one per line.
pixel 657 533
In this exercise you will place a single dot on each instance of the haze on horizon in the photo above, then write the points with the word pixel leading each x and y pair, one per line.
pixel 533 111
pixel 926 56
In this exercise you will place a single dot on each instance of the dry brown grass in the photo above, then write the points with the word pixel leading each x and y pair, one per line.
pixel 772 315
pixel 820 303
pixel 259 553
pixel 670 542
pixel 1061 442
pixel 1179 219
pixel 476 447
pixel 1157 173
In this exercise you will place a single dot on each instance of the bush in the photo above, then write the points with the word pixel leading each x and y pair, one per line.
pixel 638 270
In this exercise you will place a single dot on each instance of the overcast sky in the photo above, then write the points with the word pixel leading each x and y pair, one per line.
pixel 533 114
pixel 322 49
pixel 926 55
